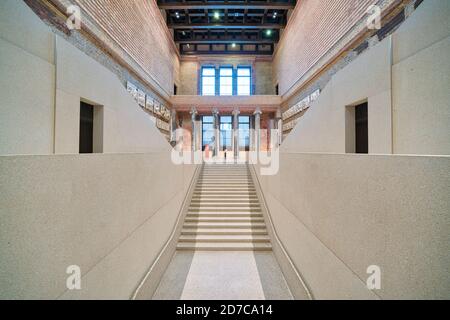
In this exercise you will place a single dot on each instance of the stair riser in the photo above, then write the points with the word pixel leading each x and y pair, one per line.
pixel 221 249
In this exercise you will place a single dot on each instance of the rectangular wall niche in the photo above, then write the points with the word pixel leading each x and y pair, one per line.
pixel 357 133
pixel 91 128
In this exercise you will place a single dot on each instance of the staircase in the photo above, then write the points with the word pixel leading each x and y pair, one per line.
pixel 224 214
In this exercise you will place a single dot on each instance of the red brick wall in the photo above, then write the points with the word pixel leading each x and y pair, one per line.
pixel 315 26
pixel 139 28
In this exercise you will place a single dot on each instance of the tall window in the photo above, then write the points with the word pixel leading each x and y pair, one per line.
pixel 226 81
pixel 208 81
pixel 243 81
pixel 226 132
pixel 207 131
pixel 244 133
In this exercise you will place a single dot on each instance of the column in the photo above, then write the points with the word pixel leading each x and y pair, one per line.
pixel 279 124
pixel 235 142
pixel 173 127
pixel 215 113
pixel 257 141
pixel 194 113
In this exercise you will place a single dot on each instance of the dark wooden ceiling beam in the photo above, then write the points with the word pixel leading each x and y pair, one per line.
pixel 221 5
pixel 225 26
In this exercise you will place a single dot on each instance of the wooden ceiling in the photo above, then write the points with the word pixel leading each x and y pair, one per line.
pixel 226 26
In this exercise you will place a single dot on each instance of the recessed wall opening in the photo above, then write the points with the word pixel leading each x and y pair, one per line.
pixel 361 129
pixel 357 133
pixel 91 128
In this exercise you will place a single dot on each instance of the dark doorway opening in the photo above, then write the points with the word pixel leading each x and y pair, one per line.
pixel 361 129
pixel 86 128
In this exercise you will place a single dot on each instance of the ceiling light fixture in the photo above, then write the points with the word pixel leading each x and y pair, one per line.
pixel 216 15
pixel 268 33
pixel 233 45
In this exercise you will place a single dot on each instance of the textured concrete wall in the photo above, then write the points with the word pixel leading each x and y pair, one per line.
pixel 43 78
pixel 404 79
pixel 108 214
pixel 27 81
pixel 338 214
pixel 126 127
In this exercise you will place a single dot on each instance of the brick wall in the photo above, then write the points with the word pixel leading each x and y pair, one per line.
pixel 315 27
pixel 139 28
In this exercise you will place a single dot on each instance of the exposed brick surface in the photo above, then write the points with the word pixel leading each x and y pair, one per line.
pixel 315 27
pixel 138 27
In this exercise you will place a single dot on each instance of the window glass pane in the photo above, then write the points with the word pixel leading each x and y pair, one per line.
pixel 226 72
pixel 209 81
pixel 243 72
pixel 226 90
pixel 209 72
pixel 243 91
pixel 226 81
pixel 244 81
pixel 209 90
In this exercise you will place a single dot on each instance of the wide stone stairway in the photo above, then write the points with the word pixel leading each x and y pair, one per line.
pixel 224 212
pixel 224 250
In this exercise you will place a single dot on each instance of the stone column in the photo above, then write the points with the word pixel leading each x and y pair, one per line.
pixel 257 141
pixel 279 124
pixel 173 127
pixel 194 113
pixel 235 142
pixel 215 113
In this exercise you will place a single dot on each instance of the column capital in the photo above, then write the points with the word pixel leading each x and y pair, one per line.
pixel 236 112
pixel 215 111
pixel 278 114
pixel 193 111
pixel 257 111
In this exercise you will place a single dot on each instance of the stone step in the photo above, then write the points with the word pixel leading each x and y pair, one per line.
pixel 223 204
pixel 223 231
pixel 225 225
pixel 225 238
pixel 223 214
pixel 225 209
pixel 223 200
pixel 224 246
pixel 201 219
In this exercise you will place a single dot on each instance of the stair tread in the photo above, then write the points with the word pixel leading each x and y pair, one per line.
pixel 221 231
pixel 215 225
pixel 224 246
pixel 225 238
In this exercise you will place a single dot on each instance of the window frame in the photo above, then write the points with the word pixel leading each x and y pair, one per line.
pixel 231 77
pixel 202 76
pixel 250 80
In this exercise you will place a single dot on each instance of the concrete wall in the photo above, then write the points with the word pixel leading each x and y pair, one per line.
pixel 338 214
pixel 42 80
pixel 108 214
pixel 27 81
pixel 405 81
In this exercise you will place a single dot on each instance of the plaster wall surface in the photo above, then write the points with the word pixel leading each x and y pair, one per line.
pixel 42 81
pixel 108 214
pixel 338 214
pixel 27 81
pixel 404 79
pixel 126 127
